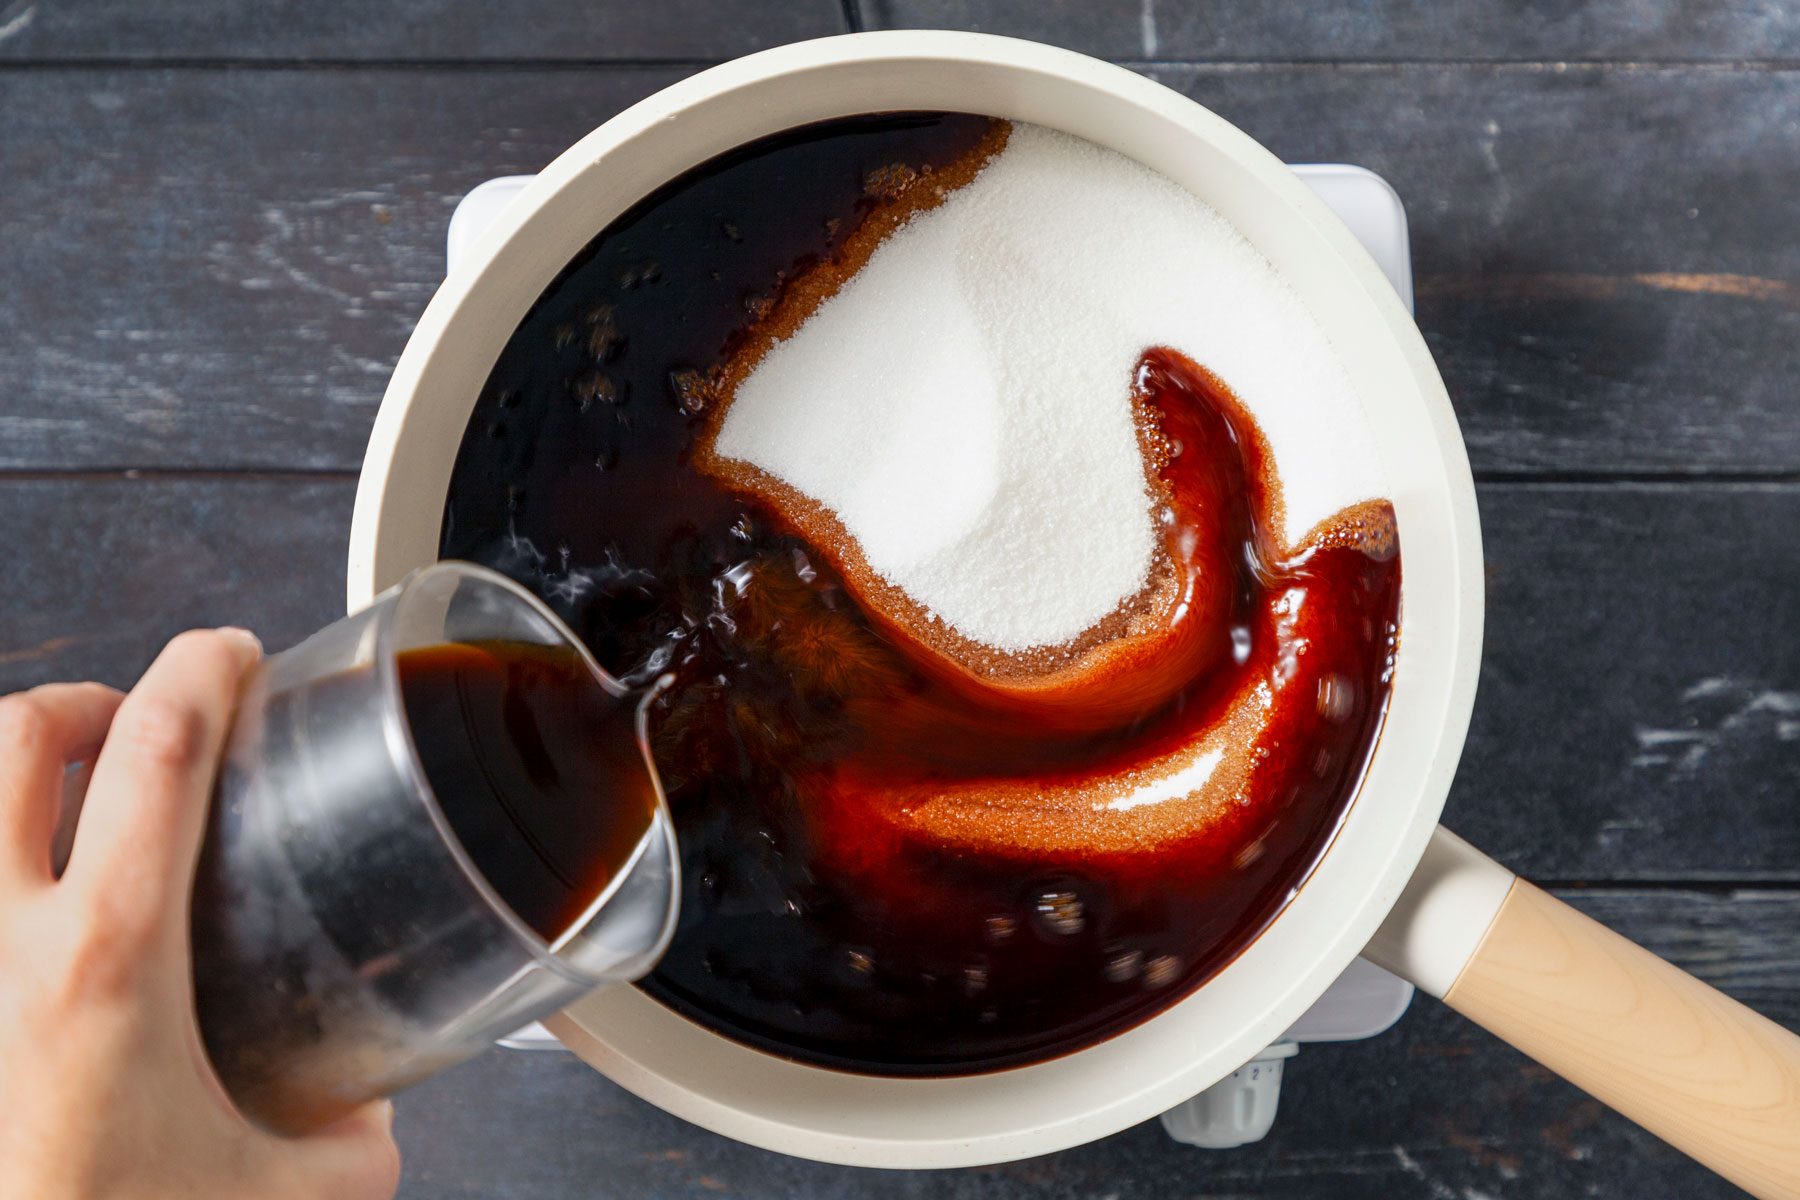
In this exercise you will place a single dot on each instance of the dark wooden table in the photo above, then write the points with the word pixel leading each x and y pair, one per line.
pixel 222 220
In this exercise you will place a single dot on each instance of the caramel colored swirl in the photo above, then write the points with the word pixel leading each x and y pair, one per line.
pixel 1218 690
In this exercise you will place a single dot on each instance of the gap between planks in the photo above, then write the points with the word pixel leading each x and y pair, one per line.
pixel 181 475
pixel 1222 65
pixel 1664 885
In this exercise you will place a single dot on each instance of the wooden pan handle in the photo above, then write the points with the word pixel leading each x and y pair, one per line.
pixel 1689 1064
pixel 1686 1062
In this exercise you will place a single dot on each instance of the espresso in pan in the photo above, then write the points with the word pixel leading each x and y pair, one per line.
pixel 1015 547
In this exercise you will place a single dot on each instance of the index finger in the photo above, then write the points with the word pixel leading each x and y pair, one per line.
pixel 139 833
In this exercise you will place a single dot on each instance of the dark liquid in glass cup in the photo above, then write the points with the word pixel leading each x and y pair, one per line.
pixel 538 774
pixel 434 823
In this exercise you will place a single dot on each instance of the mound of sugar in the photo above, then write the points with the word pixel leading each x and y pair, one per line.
pixel 963 403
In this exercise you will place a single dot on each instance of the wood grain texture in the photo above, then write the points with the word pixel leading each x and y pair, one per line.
pixel 340 30
pixel 426 30
pixel 1637 30
pixel 104 571
pixel 113 566
pixel 216 269
pixel 224 265
pixel 1435 1109
pixel 1639 703
pixel 1642 655
pixel 1585 271
pixel 1690 1064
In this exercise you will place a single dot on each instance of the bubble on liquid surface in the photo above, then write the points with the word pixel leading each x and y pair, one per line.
pixel 591 387
pixel 1337 696
pixel 1001 928
pixel 1061 912
pixel 605 343
pixel 1161 971
pixel 632 278
pixel 1124 965
pixel 890 180
pixel 692 394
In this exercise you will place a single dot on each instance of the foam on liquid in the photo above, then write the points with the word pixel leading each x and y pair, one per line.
pixel 962 404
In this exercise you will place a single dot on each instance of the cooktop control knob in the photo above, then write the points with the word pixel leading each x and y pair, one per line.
pixel 1237 1110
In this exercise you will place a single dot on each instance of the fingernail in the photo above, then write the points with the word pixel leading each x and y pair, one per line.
pixel 243 635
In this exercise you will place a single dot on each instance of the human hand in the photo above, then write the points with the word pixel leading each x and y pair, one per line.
pixel 105 1089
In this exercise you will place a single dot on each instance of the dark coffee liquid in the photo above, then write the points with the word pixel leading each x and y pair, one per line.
pixel 816 763
pixel 331 933
pixel 536 768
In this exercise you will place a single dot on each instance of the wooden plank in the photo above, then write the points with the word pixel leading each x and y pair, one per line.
pixel 1241 30
pixel 1639 711
pixel 1236 30
pixel 107 570
pixel 1598 272
pixel 341 30
pixel 1639 715
pixel 1435 1108
pixel 224 265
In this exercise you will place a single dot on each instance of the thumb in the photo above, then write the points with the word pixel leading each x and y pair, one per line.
pixel 351 1159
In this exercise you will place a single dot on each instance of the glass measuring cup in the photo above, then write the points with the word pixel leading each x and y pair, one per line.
pixel 346 944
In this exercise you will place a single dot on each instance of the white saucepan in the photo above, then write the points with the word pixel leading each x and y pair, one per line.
pixel 1693 1066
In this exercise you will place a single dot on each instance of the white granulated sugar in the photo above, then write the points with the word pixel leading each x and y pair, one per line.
pixel 963 404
